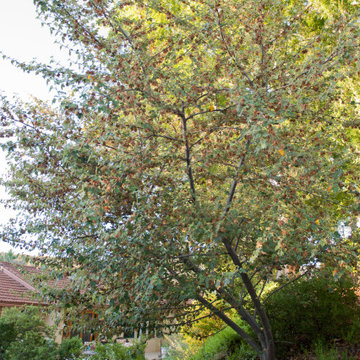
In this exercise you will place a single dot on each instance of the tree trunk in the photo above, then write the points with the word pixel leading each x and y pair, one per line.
pixel 269 352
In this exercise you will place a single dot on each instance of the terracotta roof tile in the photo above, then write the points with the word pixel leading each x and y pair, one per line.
pixel 16 283
pixel 13 292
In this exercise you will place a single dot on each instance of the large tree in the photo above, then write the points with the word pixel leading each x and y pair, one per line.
pixel 198 148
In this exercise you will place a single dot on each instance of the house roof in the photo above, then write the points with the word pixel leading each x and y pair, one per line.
pixel 16 284
pixel 13 288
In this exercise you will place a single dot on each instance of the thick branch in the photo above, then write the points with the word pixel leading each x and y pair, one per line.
pixel 231 323
pixel 233 302
pixel 252 292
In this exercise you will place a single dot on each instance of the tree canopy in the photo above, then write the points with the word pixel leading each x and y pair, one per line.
pixel 195 148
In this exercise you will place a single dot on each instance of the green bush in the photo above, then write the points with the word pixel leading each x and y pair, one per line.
pixel 7 336
pixel 226 341
pixel 322 351
pixel 29 338
pixel 317 308
pixel 70 349
pixel 24 335
pixel 119 352
pixel 31 346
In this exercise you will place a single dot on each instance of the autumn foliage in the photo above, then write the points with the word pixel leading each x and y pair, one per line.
pixel 198 148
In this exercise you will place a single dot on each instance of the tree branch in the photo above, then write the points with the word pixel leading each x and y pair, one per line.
pixel 232 55
pixel 188 157
pixel 235 182
pixel 231 323
pixel 284 285
pixel 233 302
pixel 209 111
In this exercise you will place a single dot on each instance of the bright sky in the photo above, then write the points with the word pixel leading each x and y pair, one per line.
pixel 22 37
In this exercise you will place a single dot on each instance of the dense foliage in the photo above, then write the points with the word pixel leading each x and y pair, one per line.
pixel 197 148
pixel 24 335
pixel 118 352
pixel 312 310
pixel 311 316
pixel 70 349
pixel 225 344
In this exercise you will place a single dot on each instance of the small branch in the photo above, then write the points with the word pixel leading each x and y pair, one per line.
pixel 209 132
pixel 259 295
pixel 232 55
pixel 190 255
pixel 163 136
pixel 284 285
pixel 209 111
pixel 290 24
pixel 157 177
pixel 235 182
pixel 188 157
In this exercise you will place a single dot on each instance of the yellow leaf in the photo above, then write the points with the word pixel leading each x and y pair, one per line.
pixel 317 221
pixel 282 152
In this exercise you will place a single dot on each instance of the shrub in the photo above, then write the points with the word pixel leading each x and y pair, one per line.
pixel 70 349
pixel 324 352
pixel 24 335
pixel 118 352
pixel 226 341
pixel 7 336
pixel 312 309
pixel 27 336
pixel 31 346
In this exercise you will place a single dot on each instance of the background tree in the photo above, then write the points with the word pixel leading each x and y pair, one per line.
pixel 10 256
pixel 24 335
pixel 204 145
